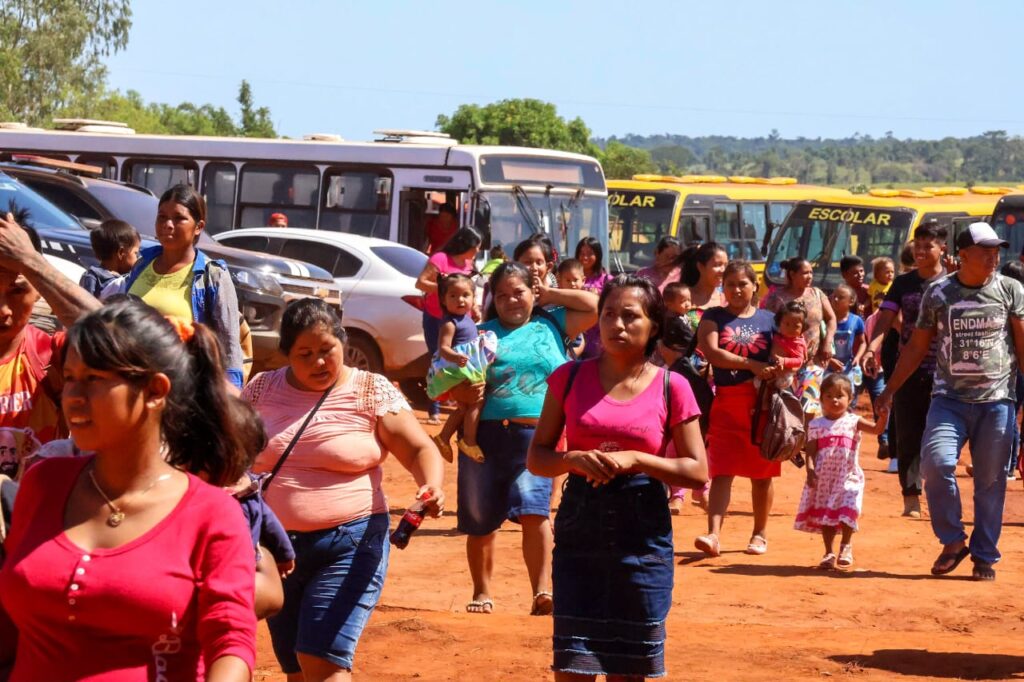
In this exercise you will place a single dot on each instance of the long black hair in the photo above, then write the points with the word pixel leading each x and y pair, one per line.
pixel 200 418
pixel 464 239
pixel 595 246
pixel 304 314
pixel 650 300
pixel 501 273
pixel 541 241
pixel 693 255
pixel 187 196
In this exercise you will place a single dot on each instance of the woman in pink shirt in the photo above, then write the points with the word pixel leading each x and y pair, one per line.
pixel 665 269
pixel 456 256
pixel 327 490
pixel 124 565
pixel 613 528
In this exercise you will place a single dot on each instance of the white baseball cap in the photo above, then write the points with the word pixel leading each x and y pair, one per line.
pixel 979 234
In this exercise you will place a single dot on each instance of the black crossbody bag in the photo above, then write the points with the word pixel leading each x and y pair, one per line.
pixel 295 439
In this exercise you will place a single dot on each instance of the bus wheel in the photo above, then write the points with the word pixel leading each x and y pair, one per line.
pixel 362 353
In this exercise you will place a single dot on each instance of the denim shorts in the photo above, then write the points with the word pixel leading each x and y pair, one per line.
pixel 339 574
pixel 500 487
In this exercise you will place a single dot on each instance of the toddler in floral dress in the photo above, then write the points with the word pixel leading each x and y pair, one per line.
pixel 834 493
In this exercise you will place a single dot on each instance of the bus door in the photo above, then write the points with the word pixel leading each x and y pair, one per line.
pixel 421 193
pixel 694 227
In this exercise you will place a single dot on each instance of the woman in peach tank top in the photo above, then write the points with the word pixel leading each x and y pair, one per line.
pixel 328 492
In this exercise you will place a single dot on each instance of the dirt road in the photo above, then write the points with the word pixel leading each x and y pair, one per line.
pixel 738 617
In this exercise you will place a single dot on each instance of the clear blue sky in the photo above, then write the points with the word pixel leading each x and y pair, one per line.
pixel 830 69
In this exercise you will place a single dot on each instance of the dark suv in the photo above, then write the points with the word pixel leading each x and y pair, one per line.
pixel 261 281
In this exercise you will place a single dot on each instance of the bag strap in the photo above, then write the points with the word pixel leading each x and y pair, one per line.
pixel 568 383
pixel 762 393
pixel 295 439
pixel 667 388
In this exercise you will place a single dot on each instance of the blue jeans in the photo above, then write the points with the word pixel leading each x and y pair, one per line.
pixel 874 386
pixel 339 574
pixel 988 427
pixel 1015 453
pixel 431 329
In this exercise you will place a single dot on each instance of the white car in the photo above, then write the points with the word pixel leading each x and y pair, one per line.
pixel 382 307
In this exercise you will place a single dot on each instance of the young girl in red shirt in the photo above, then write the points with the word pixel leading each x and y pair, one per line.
pixel 125 564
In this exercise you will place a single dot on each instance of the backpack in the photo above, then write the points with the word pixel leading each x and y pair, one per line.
pixel 667 392
pixel 778 424
pixel 679 336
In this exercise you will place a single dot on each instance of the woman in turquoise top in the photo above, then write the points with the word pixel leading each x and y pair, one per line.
pixel 530 347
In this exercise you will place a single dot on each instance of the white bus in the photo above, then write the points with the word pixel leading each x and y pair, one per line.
pixel 388 188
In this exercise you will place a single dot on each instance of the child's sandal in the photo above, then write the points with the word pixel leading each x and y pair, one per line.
pixel 828 562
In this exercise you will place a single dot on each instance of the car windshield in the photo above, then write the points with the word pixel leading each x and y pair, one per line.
pixel 409 262
pixel 30 208
pixel 563 216
pixel 130 205
pixel 824 234
pixel 636 221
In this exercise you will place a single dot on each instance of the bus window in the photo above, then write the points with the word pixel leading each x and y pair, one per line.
pixel 777 212
pixel 694 229
pixel 267 189
pixel 753 227
pixel 219 181
pixel 107 163
pixel 727 229
pixel 158 176
pixel 358 202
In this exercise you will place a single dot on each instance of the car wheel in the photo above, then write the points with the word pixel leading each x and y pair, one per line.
pixel 362 353
pixel 415 391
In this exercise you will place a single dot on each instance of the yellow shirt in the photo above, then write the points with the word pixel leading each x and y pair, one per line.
pixel 877 292
pixel 170 294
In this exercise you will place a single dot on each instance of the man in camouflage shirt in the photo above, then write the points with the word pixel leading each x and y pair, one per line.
pixel 977 318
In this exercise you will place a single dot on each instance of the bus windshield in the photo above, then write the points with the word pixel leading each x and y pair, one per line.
pixel 1008 222
pixel 515 216
pixel 824 234
pixel 636 221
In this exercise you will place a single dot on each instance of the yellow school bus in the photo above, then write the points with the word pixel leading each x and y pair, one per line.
pixel 738 212
pixel 870 225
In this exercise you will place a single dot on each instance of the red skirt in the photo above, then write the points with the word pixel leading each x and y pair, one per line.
pixel 730 452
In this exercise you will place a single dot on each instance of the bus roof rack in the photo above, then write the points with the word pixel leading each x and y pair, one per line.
pixel 91 125
pixel 714 179
pixel 323 137
pixel 414 136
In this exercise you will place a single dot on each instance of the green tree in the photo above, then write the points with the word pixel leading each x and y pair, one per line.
pixel 517 122
pixel 621 162
pixel 51 53
pixel 255 122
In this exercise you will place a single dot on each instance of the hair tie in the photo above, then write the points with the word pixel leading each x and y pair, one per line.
pixel 185 329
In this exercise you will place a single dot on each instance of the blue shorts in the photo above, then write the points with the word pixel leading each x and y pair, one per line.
pixel 500 487
pixel 339 574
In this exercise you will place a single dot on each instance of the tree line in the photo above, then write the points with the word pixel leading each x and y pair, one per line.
pixel 51 65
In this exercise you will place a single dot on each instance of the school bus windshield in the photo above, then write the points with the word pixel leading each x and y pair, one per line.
pixel 636 221
pixel 823 234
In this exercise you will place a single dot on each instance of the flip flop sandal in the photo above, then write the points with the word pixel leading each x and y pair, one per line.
pixel 845 556
pixel 983 572
pixel 758 545
pixel 828 562
pixel 708 544
pixel 543 604
pixel 954 557
pixel 484 606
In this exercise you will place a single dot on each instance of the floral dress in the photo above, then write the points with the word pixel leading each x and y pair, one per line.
pixel 838 495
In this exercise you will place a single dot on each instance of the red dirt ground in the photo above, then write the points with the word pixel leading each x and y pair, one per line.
pixel 737 617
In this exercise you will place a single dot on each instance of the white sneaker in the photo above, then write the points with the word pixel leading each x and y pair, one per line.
pixel 894 467
pixel 1011 477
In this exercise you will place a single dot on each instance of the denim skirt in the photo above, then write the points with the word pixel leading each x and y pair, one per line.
pixel 612 574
